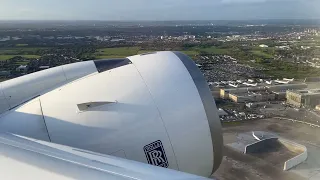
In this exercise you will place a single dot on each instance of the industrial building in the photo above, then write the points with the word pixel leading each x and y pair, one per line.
pixel 224 93
pixel 215 91
pixel 303 98
pixel 259 93
pixel 280 95
pixel 22 68
pixel 252 96
pixel 284 87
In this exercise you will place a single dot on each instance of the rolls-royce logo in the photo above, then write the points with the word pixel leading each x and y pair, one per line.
pixel 155 154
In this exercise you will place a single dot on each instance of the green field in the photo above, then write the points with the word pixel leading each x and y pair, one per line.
pixel 116 52
pixel 190 52
pixel 108 56
pixel 21 50
pixel 121 52
pixel 21 45
pixel 26 52
pixel 274 68
pixel 261 54
pixel 280 69
pixel 292 74
pixel 6 57
pixel 209 50
pixel 215 50
pixel 22 62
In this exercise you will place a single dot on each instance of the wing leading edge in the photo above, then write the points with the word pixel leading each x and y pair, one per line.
pixel 26 158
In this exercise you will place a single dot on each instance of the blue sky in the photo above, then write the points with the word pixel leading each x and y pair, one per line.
pixel 157 9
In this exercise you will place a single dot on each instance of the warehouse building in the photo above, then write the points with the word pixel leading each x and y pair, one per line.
pixel 259 93
pixel 284 87
pixel 224 93
pixel 280 95
pixel 278 90
pixel 303 98
pixel 252 96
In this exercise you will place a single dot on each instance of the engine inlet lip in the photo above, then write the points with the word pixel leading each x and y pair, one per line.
pixel 209 106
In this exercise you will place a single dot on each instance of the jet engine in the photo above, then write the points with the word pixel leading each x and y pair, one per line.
pixel 154 108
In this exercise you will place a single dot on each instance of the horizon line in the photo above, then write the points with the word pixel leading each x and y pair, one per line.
pixel 160 20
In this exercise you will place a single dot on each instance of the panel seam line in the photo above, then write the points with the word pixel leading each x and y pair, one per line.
pixel 44 121
pixel 164 125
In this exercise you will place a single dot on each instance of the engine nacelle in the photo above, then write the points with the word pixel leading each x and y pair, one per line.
pixel 154 108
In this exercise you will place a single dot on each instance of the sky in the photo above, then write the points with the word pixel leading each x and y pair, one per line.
pixel 124 10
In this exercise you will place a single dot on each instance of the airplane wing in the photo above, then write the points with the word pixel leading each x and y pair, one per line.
pixel 26 158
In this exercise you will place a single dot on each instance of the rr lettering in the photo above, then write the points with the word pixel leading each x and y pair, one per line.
pixel 156 157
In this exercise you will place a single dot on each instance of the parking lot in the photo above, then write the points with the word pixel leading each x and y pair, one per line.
pixel 222 67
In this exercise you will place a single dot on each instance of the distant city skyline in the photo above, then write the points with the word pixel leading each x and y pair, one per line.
pixel 127 10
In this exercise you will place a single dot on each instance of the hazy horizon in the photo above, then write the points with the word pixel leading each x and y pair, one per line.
pixel 142 20
pixel 160 10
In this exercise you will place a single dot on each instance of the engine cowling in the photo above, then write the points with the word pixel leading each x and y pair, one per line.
pixel 154 108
